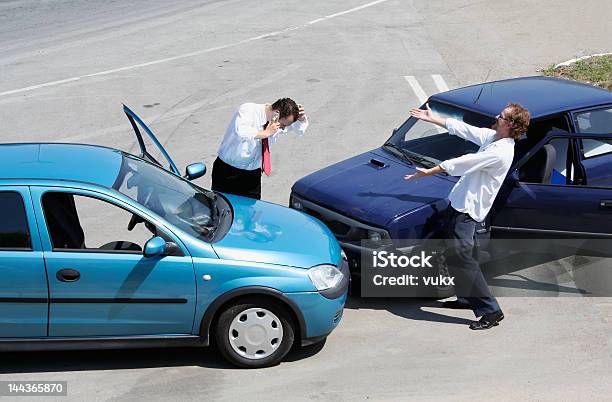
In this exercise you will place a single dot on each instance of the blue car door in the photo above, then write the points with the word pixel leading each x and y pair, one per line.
pixel 100 282
pixel 23 287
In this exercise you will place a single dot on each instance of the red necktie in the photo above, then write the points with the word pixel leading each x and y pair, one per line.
pixel 265 157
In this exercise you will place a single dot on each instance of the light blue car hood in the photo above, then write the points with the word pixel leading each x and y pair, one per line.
pixel 269 233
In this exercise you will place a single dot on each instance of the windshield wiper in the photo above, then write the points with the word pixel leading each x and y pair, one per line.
pixel 402 152
pixel 411 156
pixel 215 207
pixel 423 160
pixel 213 229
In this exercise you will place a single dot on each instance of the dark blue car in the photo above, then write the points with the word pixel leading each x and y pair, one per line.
pixel 560 183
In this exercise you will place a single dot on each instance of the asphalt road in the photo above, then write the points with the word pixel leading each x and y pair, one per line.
pixel 66 66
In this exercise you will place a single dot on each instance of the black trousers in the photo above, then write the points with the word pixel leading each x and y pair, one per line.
pixel 462 258
pixel 228 179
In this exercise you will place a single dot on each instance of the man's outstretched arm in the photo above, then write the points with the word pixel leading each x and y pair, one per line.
pixel 422 172
pixel 477 135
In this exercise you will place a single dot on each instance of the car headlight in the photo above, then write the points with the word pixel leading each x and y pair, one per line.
pixel 325 276
pixel 295 203
pixel 374 236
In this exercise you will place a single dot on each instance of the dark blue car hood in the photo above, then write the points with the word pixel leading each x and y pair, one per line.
pixel 361 189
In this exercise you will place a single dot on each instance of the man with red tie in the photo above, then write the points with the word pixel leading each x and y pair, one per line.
pixel 244 153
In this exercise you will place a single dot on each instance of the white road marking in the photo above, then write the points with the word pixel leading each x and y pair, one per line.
pixel 417 88
pixel 440 83
pixel 190 54
pixel 327 17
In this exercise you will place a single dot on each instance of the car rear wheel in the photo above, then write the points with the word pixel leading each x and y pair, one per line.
pixel 255 333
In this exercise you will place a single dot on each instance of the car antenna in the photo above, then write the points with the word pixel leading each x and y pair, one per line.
pixel 482 88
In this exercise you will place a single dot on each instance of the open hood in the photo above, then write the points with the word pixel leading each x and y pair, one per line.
pixel 144 154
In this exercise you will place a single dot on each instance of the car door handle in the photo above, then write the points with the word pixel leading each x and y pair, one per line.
pixel 68 275
pixel 605 203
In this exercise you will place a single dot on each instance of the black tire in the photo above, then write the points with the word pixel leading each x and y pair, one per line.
pixel 222 332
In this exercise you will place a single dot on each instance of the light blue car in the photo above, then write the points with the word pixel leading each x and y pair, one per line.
pixel 103 249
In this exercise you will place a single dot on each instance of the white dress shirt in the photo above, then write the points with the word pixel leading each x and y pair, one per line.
pixel 239 147
pixel 482 173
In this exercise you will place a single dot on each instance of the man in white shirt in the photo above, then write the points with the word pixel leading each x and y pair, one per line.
pixel 244 153
pixel 482 174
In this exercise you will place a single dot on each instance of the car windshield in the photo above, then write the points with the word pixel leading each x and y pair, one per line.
pixel 179 202
pixel 427 144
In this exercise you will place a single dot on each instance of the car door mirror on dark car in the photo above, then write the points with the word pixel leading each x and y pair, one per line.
pixel 154 247
pixel 195 170
pixel 514 177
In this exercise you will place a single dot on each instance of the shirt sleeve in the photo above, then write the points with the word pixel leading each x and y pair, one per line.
pixel 477 135
pixel 469 163
pixel 298 127
pixel 246 122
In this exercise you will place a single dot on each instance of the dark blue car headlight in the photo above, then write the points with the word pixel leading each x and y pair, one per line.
pixel 295 203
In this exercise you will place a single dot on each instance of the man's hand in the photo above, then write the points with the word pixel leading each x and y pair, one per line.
pixel 421 172
pixel 421 114
pixel 269 131
pixel 428 115
pixel 302 113
pixel 272 128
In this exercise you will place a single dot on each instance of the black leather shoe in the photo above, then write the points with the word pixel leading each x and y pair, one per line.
pixel 488 321
pixel 456 304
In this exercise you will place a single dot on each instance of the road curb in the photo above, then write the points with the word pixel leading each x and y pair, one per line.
pixel 572 61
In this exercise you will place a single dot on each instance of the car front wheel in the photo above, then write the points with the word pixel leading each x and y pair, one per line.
pixel 253 334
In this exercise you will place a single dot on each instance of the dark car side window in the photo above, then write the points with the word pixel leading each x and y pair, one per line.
pixel 537 130
pixel 556 163
pixel 594 121
pixel 548 165
pixel 596 156
pixel 14 231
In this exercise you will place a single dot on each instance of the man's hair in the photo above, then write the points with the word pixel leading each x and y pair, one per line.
pixel 286 107
pixel 519 117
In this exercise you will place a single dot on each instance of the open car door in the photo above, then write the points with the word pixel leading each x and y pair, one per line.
pixel 144 154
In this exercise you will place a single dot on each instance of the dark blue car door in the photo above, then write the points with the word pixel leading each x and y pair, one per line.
pixel 563 187
pixel 23 283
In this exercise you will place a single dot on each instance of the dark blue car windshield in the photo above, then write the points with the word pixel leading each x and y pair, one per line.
pixel 433 143
pixel 174 199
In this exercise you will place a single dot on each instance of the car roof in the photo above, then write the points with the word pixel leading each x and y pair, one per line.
pixel 54 161
pixel 542 96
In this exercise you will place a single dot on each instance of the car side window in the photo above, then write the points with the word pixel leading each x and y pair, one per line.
pixel 78 222
pixel 594 121
pixel 596 156
pixel 548 165
pixel 537 130
pixel 14 231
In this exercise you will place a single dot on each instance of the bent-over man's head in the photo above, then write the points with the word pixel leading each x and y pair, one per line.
pixel 288 111
pixel 512 121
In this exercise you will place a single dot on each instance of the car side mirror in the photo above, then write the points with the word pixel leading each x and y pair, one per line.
pixel 195 170
pixel 154 247
pixel 515 177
